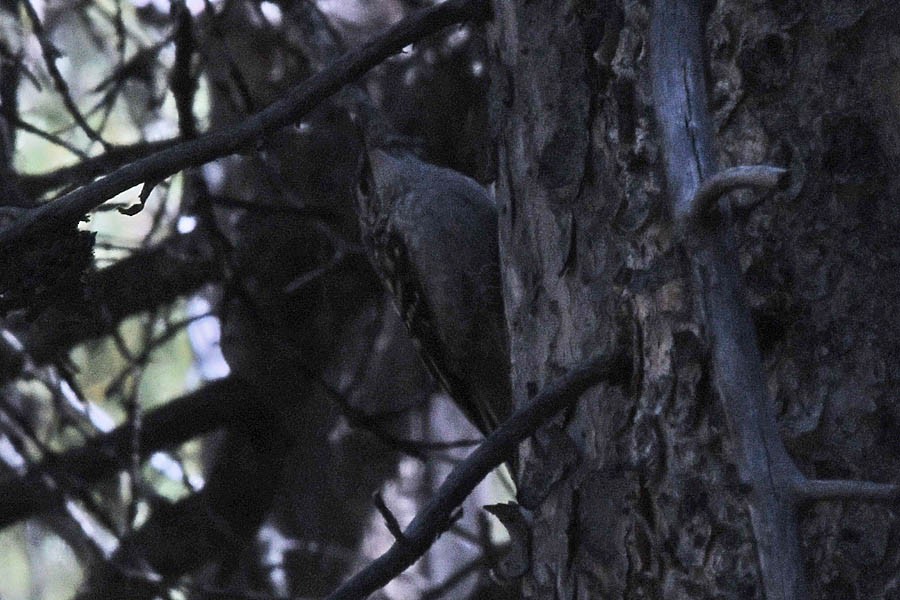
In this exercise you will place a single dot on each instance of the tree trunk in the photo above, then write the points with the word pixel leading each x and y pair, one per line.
pixel 636 491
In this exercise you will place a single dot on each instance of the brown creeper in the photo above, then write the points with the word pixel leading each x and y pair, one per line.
pixel 431 234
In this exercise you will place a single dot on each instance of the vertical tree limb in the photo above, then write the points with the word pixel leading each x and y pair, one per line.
pixel 679 89
pixel 695 185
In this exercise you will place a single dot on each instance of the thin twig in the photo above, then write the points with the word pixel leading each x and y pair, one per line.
pixel 216 404
pixel 92 166
pixel 45 135
pixel 182 83
pixel 148 278
pixel 358 418
pixel 51 53
pixel 389 519
pixel 148 347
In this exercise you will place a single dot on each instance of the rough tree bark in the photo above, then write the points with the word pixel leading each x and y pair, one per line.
pixel 636 492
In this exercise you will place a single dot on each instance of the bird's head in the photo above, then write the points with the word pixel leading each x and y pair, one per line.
pixel 388 170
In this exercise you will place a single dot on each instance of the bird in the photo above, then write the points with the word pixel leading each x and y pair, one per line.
pixel 431 234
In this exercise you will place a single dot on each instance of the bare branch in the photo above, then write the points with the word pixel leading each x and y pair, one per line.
pixel 146 279
pixel 358 418
pixel 46 135
pixel 183 84
pixel 213 525
pixel 296 103
pixel 51 53
pixel 727 180
pixel 437 515
pixel 182 419
pixel 809 490
pixel 389 519
pixel 91 167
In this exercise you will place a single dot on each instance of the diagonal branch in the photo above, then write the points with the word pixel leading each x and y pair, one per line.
pixel 185 418
pixel 35 185
pixel 212 526
pixel 296 103
pixel 437 514
pixel 148 278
